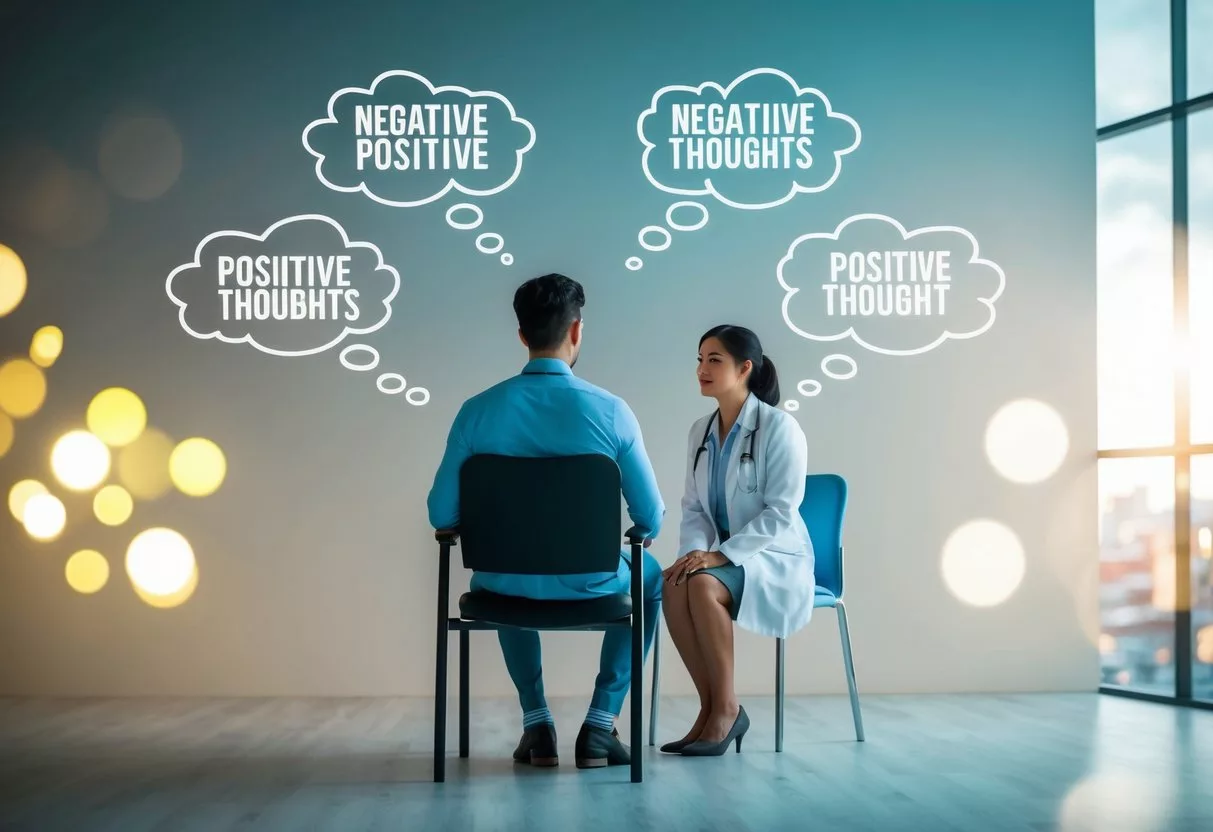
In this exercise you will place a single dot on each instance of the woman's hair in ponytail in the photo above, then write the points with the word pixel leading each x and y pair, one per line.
pixel 743 345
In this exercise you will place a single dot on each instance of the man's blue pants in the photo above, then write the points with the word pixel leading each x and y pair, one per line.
pixel 521 647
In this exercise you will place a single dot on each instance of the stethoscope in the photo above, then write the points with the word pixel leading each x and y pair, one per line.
pixel 748 485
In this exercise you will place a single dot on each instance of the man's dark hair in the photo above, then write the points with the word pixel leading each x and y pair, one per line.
pixel 546 307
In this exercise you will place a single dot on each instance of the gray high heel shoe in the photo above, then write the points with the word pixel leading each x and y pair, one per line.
pixel 702 748
pixel 675 747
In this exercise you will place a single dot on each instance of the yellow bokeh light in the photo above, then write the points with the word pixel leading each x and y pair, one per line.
pixel 113 505
pixel 159 561
pixel 44 516
pixel 22 388
pixel 80 460
pixel 173 599
pixel 87 571
pixel 1204 538
pixel 19 495
pixel 1162 594
pixel 983 563
pixel 46 346
pixel 1107 644
pixel 117 416
pixel 12 280
pixel 1204 644
pixel 7 432
pixel 143 465
pixel 197 467
pixel 1026 441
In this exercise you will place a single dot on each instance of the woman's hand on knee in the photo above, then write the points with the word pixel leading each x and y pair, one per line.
pixel 676 573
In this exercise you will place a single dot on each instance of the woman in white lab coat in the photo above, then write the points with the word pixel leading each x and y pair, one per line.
pixel 744 552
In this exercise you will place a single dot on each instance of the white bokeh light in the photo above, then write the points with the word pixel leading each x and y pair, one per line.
pixel 983 563
pixel 44 517
pixel 1026 441
pixel 160 561
pixel 80 460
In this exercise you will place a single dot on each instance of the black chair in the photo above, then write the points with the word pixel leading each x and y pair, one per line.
pixel 537 516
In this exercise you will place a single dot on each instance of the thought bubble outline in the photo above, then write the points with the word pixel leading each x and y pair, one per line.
pixel 451 183
pixel 261 238
pixel 710 189
pixel 976 259
pixel 383 379
pixel 483 247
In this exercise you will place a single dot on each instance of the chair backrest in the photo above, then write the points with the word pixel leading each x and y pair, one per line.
pixel 823 509
pixel 540 515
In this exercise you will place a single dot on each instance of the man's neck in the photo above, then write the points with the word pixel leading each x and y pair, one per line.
pixel 548 354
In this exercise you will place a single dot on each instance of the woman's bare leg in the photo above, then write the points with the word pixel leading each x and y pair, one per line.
pixel 675 603
pixel 713 626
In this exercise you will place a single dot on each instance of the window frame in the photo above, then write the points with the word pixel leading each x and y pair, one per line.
pixel 1182 451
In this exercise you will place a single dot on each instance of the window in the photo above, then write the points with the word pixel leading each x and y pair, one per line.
pixel 1154 115
pixel 1132 58
pixel 1135 303
pixel 1137 572
pixel 1200 267
pixel 1202 576
pixel 1200 60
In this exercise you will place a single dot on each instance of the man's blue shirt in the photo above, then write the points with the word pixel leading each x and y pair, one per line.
pixel 548 411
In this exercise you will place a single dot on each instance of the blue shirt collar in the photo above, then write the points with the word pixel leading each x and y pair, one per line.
pixel 548 365
pixel 749 412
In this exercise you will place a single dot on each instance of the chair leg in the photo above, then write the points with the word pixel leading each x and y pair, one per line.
pixel 779 656
pixel 440 702
pixel 845 633
pixel 464 685
pixel 637 696
pixel 656 685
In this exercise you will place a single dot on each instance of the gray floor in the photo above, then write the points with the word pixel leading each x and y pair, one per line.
pixel 1067 762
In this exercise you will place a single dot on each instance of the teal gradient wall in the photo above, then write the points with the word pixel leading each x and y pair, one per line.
pixel 316 565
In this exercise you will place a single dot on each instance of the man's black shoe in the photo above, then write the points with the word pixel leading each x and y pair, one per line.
pixel 538 746
pixel 597 747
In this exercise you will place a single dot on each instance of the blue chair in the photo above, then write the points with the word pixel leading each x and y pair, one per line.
pixel 823 509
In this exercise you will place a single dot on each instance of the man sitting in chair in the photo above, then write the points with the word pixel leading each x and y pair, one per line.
pixel 547 411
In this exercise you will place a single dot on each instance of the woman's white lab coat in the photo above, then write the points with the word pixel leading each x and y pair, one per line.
pixel 768 538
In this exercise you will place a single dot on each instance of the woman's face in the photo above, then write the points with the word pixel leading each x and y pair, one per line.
pixel 719 373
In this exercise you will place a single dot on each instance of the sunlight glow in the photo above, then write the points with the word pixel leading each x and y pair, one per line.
pixel 1107 801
